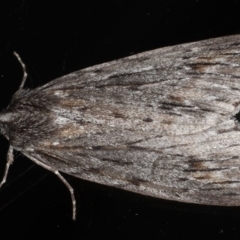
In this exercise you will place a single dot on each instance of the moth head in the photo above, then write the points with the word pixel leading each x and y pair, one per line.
pixel 5 120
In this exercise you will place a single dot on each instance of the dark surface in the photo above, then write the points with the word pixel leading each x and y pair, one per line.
pixel 57 38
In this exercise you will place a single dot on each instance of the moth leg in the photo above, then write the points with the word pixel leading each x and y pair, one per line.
pixel 62 179
pixel 10 159
pixel 71 193
pixel 24 70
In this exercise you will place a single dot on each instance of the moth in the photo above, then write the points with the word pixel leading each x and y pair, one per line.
pixel 163 123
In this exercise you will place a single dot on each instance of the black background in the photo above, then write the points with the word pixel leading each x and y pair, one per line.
pixel 58 37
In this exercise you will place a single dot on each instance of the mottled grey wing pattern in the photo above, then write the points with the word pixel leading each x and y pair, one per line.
pixel 159 123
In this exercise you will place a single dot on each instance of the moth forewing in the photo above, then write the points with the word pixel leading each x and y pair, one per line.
pixel 161 123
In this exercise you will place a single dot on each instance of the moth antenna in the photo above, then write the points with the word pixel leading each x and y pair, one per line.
pixel 69 187
pixel 10 160
pixel 24 70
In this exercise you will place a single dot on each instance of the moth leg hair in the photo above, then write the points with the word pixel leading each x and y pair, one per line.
pixel 24 70
pixel 10 159
pixel 69 187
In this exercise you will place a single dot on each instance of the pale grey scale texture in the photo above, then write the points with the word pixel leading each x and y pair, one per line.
pixel 159 123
